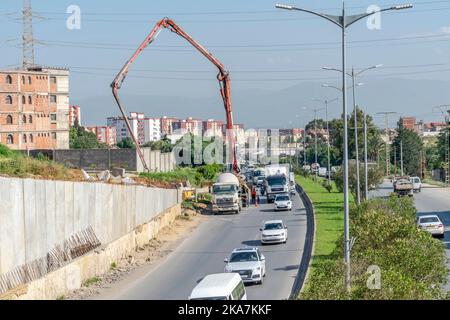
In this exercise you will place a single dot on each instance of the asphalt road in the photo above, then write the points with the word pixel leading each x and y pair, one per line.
pixel 431 200
pixel 203 252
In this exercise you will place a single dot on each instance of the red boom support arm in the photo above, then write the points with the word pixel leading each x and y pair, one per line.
pixel 223 77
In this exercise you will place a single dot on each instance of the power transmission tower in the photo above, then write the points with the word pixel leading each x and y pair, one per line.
pixel 388 134
pixel 27 38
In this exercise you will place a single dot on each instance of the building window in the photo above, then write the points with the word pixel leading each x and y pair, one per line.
pixel 29 80
pixel 24 138
pixel 31 138
pixel 30 100
pixel 53 99
pixel 24 119
pixel 30 120
pixel 9 100
pixel 10 139
pixel 8 79
pixel 24 100
pixel 53 80
pixel 54 135
pixel 53 117
pixel 9 119
pixel 23 79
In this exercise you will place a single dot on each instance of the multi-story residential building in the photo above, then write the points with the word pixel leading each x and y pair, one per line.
pixel 407 123
pixel 212 128
pixel 152 129
pixel 144 129
pixel 167 125
pixel 190 125
pixel 74 115
pixel 137 125
pixel 106 135
pixel 34 108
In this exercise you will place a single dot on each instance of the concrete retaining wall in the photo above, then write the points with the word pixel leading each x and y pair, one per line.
pixel 106 159
pixel 95 263
pixel 36 215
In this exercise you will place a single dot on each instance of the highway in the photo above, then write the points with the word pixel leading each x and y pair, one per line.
pixel 203 252
pixel 431 200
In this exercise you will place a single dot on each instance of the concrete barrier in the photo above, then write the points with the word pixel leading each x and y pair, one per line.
pixel 96 263
pixel 106 159
pixel 37 215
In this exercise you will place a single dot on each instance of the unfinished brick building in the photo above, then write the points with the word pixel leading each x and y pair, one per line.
pixel 34 108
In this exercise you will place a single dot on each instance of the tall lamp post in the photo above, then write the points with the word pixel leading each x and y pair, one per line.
pixel 354 75
pixel 344 21
pixel 328 133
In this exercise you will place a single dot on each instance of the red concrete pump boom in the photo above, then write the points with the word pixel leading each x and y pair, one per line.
pixel 223 77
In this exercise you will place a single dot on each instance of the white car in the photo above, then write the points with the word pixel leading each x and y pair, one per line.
pixel 432 224
pixel 249 263
pixel 274 231
pixel 417 183
pixel 283 202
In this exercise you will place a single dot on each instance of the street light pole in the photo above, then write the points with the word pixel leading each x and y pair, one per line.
pixel 401 157
pixel 358 188
pixel 366 167
pixel 326 101
pixel 343 22
pixel 354 75
pixel 315 141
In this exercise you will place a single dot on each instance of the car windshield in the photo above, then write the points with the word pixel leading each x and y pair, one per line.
pixel 273 226
pixel 429 220
pixel 244 256
pixel 282 198
pixel 230 188
pixel 274 181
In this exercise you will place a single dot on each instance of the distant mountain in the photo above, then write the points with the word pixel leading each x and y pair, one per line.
pixel 278 109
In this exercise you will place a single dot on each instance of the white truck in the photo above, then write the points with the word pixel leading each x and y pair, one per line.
pixel 229 194
pixel 277 181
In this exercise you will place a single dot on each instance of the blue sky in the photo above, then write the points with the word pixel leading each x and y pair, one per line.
pixel 263 47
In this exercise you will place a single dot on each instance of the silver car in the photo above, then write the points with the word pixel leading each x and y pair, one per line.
pixel 249 263
pixel 432 224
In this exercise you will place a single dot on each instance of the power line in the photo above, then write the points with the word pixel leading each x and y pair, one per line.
pixel 214 12
pixel 319 69
pixel 233 20
pixel 116 45
pixel 261 79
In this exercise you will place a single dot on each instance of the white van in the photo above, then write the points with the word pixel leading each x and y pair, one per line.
pixel 221 286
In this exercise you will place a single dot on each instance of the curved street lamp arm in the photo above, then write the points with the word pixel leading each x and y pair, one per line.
pixel 337 20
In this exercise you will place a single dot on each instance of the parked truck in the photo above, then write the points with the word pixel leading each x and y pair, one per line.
pixel 403 186
pixel 277 181
pixel 230 194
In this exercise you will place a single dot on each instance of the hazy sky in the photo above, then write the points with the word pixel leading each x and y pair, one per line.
pixel 264 48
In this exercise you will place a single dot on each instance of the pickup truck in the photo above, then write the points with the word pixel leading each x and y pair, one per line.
pixel 403 186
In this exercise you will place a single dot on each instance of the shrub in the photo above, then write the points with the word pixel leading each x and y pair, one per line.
pixel 412 263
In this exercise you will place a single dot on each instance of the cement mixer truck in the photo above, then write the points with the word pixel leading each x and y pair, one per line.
pixel 229 194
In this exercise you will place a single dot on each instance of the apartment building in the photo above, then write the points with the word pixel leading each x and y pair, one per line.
pixel 212 128
pixel 167 125
pixel 34 108
pixel 152 129
pixel 106 135
pixel 190 125
pixel 144 129
pixel 74 115
pixel 407 123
